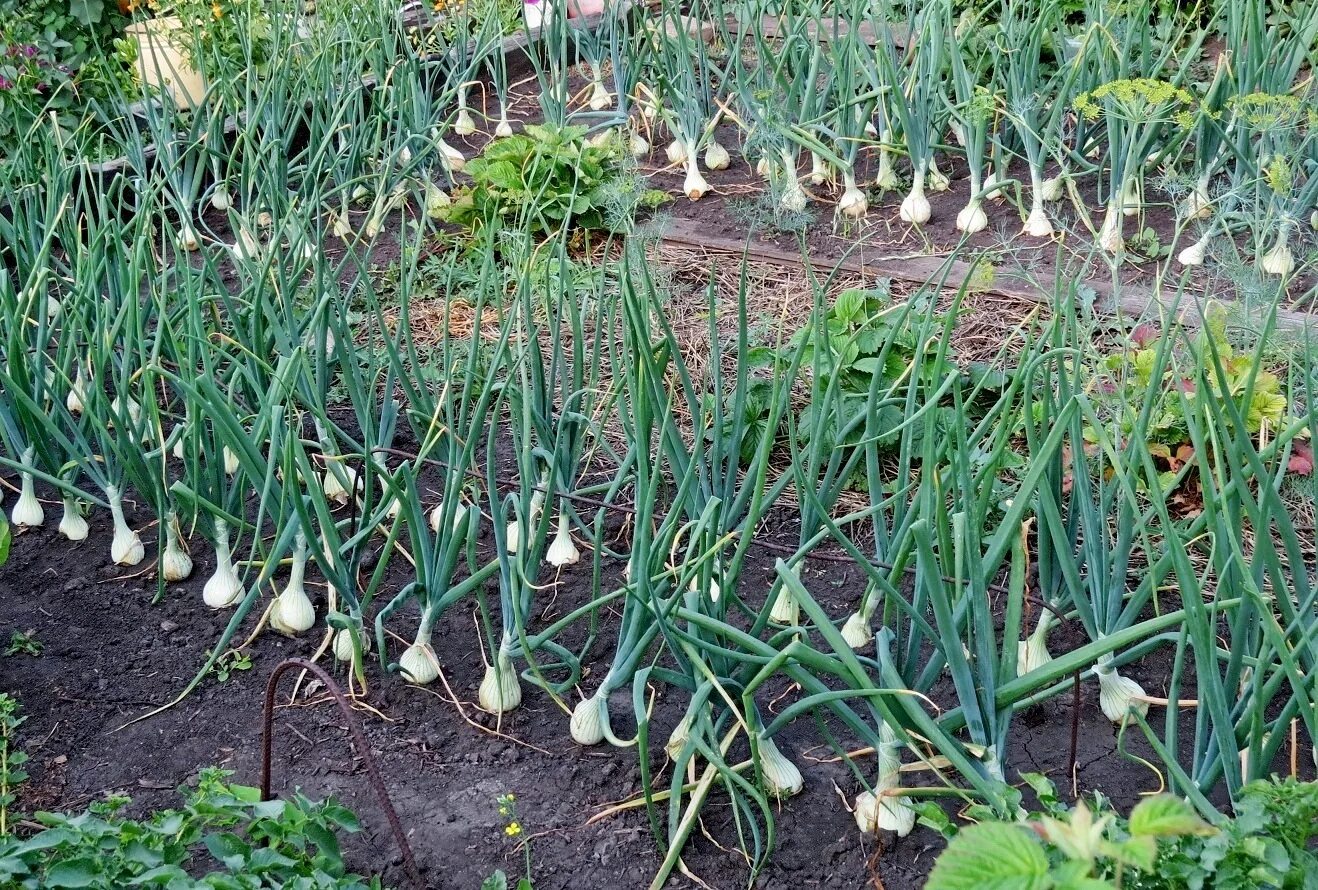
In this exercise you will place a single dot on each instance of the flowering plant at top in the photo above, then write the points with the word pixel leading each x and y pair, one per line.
pixel 1143 117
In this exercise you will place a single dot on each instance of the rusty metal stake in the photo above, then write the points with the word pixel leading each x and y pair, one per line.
pixel 358 741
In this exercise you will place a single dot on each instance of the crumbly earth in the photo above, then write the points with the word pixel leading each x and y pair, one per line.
pixel 111 654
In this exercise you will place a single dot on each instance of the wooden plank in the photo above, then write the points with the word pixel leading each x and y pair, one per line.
pixel 1126 300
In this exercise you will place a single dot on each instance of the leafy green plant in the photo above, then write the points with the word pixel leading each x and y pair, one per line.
pixel 11 759
pixel 1126 376
pixel 229 662
pixel 544 179
pixel 274 843
pixel 24 643
pixel 1084 848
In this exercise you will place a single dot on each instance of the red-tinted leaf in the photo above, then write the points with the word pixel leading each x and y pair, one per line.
pixel 1301 462
pixel 1144 334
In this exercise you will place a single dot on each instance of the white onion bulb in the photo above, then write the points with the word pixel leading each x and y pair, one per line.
pixel 853 204
pixel 501 689
pixel 856 631
pixel 452 157
pixel 220 198
pixel 879 809
pixel 464 124
pixel 1052 189
pixel 340 227
pixel 694 185
pixel 73 525
pixel 1279 260
pixel 1197 204
pixel 514 536
pixel 600 97
pixel 126 547
pixel 27 511
pixel 223 588
pixel 337 489
pixel 786 610
pixel 820 172
pixel 781 777
pixel 562 551
pixel 677 739
pixel 187 236
pixel 1194 254
pixel 1130 199
pixel 1037 225
pixel 1118 696
pixel 915 207
pixel 972 217
pixel 175 563
pixel 1032 652
pixel 343 648
pixel 245 246
pixel 1109 237
pixel 419 664
pixel 639 145
pixel 437 516
pixel 716 156
pixel 503 129
pixel 936 181
pixel 676 152
pixel 77 396
pixel 293 612
pixel 886 180
pixel 587 724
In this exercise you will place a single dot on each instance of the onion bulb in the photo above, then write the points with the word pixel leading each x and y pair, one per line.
pixel 187 236
pixel 245 246
pixel 27 512
pixel 220 198
pixel 419 664
pixel 1279 260
pixel 639 145
pixel 1197 204
pixel 437 516
pixel 1109 236
pixel 454 159
pixel 73 525
pixel 339 480
pixel 562 551
pixel 856 631
pixel 513 536
pixel 695 185
pixel 853 204
pixel 1032 652
pixel 786 610
pixel 343 647
pixel 587 724
pixel 1195 253
pixel 937 182
pixel 677 739
pixel 77 396
pixel 293 612
pixel 879 808
pixel 501 689
pixel 126 547
pixel 886 180
pixel 915 207
pixel 339 225
pixel 230 461
pixel 991 190
pixel 1052 189
pixel 503 129
pixel 175 563
pixel 1118 696
pixel 781 777
pixel 716 156
pixel 1130 198
pixel 223 588
pixel 820 172
pixel 1037 224
pixel 972 217
pixel 464 124
pixel 676 152
pixel 600 97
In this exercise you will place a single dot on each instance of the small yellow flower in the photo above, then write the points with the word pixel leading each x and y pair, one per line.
pixel 513 829
pixel 216 11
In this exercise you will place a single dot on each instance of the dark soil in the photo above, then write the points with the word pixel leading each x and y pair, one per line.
pixel 111 655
